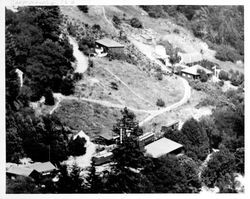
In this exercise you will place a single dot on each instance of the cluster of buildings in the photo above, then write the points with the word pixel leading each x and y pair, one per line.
pixel 35 171
pixel 154 145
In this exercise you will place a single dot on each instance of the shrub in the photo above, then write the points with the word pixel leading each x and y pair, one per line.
pixel 177 31
pixel 116 20
pixel 77 76
pixel 114 85
pixel 136 23
pixel 168 46
pixel 91 63
pixel 223 75
pixel 203 75
pixel 84 9
pixel 221 83
pixel 159 75
pixel 77 146
pixel 160 103
pixel 49 99
pixel 86 45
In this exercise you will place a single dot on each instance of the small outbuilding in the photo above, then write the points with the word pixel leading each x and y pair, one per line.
pixel 108 44
pixel 193 72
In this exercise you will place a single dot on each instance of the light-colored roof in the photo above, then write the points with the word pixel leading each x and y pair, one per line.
pixel 26 170
pixel 146 135
pixel 42 167
pixel 146 36
pixel 161 147
pixel 18 170
pixel 109 43
pixel 193 70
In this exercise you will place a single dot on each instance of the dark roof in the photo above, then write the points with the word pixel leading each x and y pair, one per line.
pixel 109 43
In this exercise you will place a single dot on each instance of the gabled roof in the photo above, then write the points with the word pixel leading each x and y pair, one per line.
pixel 161 147
pixel 109 43
pixel 42 167
pixel 26 170
pixel 18 170
pixel 193 70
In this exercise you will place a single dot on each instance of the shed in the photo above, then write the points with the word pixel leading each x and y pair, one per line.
pixel 162 147
pixel 146 38
pixel 109 44
pixel 192 72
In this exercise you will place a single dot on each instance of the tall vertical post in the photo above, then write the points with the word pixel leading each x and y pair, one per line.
pixel 121 135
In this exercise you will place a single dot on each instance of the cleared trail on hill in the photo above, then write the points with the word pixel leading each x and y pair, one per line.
pixel 82 66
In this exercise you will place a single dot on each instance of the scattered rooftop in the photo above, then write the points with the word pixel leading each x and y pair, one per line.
pixel 194 70
pixel 109 43
pixel 161 147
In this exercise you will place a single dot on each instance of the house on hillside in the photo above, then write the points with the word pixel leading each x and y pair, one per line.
pixel 162 147
pixel 36 171
pixel 107 44
pixel 193 72
pixel 146 39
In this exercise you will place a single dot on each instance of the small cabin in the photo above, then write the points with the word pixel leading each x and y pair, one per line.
pixel 107 44
pixel 193 72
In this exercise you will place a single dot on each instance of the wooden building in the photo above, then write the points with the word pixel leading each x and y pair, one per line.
pixel 109 45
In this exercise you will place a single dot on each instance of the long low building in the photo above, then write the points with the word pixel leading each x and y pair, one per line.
pixel 109 44
pixel 35 170
pixel 193 72
pixel 162 147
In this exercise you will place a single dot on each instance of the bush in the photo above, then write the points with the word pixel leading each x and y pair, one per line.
pixel 177 31
pixel 49 99
pixel 84 9
pixel 221 83
pixel 114 85
pixel 160 103
pixel 159 76
pixel 136 23
pixel 77 76
pixel 116 20
pixel 77 146
pixel 86 45
pixel 203 75
pixel 223 75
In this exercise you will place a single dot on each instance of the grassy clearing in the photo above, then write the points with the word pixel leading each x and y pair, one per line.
pixel 148 87
pixel 94 16
pixel 98 85
pixel 89 117
pixel 180 114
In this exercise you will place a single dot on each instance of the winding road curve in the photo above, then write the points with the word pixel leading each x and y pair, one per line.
pixel 83 65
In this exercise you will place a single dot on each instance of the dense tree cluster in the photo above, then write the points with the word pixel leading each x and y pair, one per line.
pixel 33 45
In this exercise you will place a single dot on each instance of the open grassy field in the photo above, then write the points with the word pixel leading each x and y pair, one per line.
pixel 180 114
pixel 90 117
pixel 147 87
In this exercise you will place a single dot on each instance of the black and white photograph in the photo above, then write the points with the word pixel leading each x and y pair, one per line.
pixel 124 99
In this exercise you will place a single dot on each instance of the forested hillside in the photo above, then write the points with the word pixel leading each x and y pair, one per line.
pixel 222 27
pixel 34 46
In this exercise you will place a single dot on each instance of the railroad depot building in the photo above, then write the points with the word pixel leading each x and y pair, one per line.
pixel 107 44
pixel 193 72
